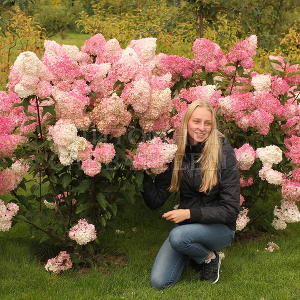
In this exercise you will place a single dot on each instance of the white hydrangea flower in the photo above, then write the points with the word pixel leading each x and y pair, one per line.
pixel 261 83
pixel 269 155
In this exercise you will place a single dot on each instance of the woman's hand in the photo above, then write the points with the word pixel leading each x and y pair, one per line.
pixel 177 215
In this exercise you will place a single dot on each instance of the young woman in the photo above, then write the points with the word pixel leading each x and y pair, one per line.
pixel 205 173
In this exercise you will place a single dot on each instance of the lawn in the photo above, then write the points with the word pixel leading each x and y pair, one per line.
pixel 248 270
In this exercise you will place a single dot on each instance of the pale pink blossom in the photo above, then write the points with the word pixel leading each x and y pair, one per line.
pixel 91 167
pixel 242 219
pixel 110 116
pixel 245 156
pixel 7 212
pixel 61 262
pixel 261 83
pixel 270 175
pixel 145 48
pixel 154 155
pixel 104 152
pixel 83 232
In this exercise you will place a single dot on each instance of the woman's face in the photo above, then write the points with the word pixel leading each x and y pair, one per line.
pixel 199 125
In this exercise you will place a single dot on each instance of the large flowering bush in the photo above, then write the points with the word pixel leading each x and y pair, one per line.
pixel 82 123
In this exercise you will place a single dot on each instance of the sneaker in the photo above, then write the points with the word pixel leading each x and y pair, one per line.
pixel 211 269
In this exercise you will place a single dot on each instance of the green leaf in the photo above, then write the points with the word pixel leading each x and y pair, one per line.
pixel 82 187
pixel 66 180
pixel 103 221
pixel 102 201
pixel 83 207
pixel 49 109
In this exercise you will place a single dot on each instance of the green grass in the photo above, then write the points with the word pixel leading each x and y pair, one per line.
pixel 248 271
pixel 71 38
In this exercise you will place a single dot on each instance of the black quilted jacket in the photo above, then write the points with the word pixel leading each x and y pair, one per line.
pixel 219 205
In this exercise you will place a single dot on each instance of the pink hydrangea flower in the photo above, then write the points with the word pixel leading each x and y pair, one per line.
pixel 242 219
pixel 7 212
pixel 291 190
pixel 154 154
pixel 110 116
pixel 61 262
pixel 208 55
pixel 246 181
pixel 104 152
pixel 145 48
pixel 176 65
pixel 243 52
pixel 91 167
pixel 270 175
pixel 245 156
pixel 94 45
pixel 293 146
pixel 59 63
pixel 83 232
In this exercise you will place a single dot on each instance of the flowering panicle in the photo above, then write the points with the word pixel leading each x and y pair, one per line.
pixel 110 116
pixel 242 219
pixel 269 155
pixel 245 156
pixel 61 262
pixel 154 155
pixel 83 232
pixel 7 212
pixel 208 55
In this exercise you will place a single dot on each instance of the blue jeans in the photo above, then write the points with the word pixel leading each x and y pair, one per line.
pixel 187 241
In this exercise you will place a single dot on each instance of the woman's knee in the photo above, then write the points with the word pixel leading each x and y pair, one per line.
pixel 159 283
pixel 177 238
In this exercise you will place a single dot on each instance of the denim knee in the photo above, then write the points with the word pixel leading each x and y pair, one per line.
pixel 177 238
pixel 158 283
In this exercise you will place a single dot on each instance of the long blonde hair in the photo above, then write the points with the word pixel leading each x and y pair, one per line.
pixel 209 158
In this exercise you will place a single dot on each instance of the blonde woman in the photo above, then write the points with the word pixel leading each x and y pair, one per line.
pixel 205 173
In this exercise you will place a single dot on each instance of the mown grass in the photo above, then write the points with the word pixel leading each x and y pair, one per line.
pixel 71 38
pixel 248 271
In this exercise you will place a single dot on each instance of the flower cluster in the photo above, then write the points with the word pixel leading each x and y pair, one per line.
pixel 7 212
pixel 287 213
pixel 242 219
pixel 269 155
pixel 110 116
pixel 59 263
pixel 154 155
pixel 29 76
pixel 11 177
pixel 66 142
pixel 245 156
pixel 83 232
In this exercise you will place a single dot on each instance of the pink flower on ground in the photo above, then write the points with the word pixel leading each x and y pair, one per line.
pixel 91 167
pixel 104 152
pixel 245 156
pixel 59 263
pixel 83 232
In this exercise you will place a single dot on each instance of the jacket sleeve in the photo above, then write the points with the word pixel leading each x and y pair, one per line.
pixel 227 209
pixel 156 190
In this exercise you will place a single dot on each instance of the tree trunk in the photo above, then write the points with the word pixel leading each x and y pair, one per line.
pixel 200 19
